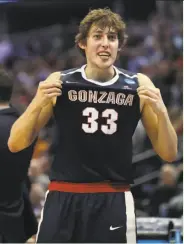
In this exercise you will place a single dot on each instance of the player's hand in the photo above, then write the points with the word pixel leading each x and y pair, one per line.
pixel 152 97
pixel 49 89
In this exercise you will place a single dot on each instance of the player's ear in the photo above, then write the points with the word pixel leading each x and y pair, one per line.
pixel 81 45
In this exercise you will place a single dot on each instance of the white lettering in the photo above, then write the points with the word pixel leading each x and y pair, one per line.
pixel 101 97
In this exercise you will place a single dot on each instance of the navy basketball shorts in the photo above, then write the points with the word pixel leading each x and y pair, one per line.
pixel 93 212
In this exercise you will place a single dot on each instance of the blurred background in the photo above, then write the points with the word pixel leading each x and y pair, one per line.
pixel 37 38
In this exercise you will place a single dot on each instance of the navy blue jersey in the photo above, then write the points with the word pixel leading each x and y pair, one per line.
pixel 95 122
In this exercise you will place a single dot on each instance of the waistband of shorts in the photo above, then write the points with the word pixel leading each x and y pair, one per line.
pixel 87 187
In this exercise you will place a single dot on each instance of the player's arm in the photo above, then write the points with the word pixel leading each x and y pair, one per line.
pixel 27 126
pixel 156 120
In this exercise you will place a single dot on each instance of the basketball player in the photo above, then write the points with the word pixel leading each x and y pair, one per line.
pixel 96 108
pixel 17 220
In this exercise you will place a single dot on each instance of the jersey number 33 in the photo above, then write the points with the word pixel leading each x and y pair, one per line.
pixel 92 121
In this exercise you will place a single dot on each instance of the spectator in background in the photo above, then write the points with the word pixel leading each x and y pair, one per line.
pixel 17 220
pixel 165 190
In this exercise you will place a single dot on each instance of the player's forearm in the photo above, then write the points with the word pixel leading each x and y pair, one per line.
pixel 167 139
pixel 23 130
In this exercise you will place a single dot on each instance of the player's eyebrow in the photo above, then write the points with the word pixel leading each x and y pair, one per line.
pixel 100 31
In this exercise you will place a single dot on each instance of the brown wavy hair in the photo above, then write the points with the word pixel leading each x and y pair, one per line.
pixel 101 18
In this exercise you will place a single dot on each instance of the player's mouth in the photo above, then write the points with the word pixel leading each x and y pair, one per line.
pixel 104 54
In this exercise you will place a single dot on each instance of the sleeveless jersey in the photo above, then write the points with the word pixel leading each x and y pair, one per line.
pixel 95 122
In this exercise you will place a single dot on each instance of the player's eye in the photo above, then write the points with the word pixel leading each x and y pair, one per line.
pixel 97 36
pixel 112 37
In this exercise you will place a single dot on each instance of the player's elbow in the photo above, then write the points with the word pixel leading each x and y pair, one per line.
pixel 169 156
pixel 16 146
pixel 12 147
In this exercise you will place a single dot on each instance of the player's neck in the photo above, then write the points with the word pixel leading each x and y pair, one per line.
pixel 98 74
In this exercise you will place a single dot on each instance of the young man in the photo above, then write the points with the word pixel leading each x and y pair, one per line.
pixel 17 220
pixel 96 108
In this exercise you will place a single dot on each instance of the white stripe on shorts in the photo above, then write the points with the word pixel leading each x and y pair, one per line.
pixel 41 217
pixel 130 214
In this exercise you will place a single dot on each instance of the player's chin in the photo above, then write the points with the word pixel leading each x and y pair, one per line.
pixel 105 65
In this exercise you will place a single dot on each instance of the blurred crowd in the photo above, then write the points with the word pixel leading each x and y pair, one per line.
pixel 153 48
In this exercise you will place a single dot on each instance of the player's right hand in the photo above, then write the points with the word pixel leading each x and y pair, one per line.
pixel 49 89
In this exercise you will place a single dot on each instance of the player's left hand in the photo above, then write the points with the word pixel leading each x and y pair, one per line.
pixel 152 97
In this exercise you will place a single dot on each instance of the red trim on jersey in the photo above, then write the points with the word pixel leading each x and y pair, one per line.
pixel 87 187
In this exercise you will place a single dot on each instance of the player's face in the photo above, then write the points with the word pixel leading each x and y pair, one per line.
pixel 101 47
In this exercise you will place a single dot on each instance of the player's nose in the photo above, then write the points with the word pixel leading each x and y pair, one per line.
pixel 105 42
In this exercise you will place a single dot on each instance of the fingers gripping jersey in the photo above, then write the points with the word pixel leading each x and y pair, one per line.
pixel 95 123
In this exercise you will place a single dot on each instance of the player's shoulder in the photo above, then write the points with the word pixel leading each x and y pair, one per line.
pixel 63 73
pixel 71 75
pixel 126 73
pixel 71 71
pixel 128 78
pixel 144 80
